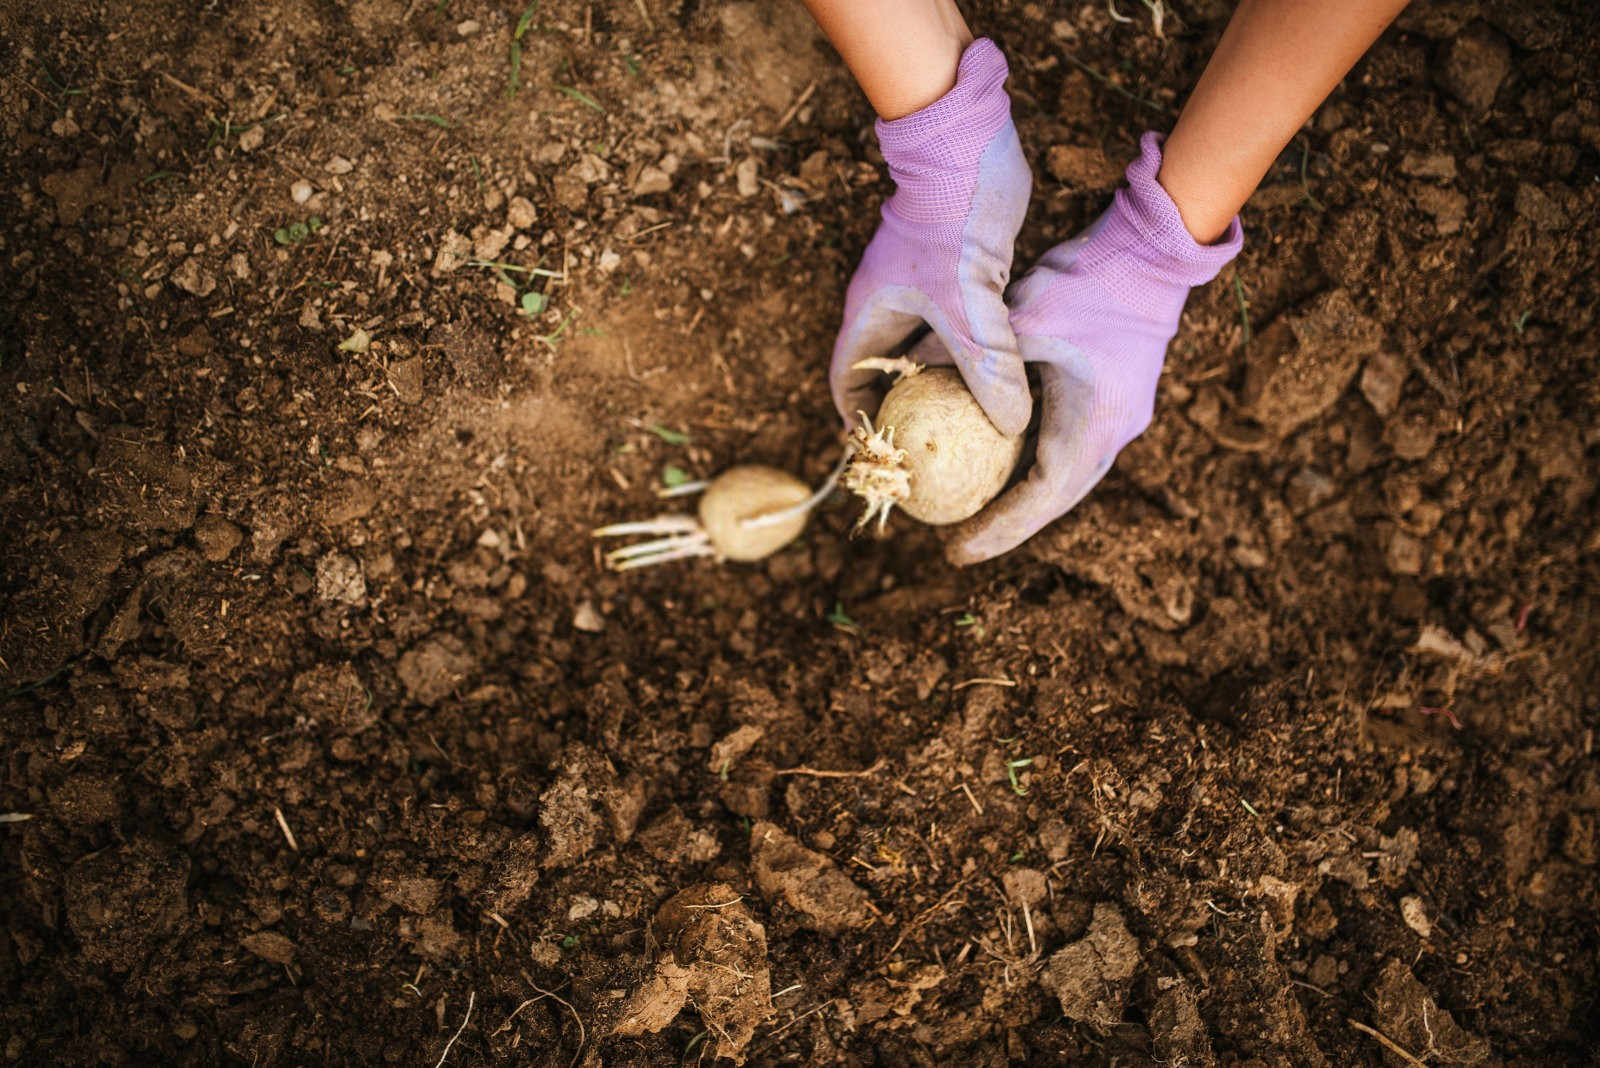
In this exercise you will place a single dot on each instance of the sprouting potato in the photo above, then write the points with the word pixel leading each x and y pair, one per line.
pixel 934 454
pixel 747 513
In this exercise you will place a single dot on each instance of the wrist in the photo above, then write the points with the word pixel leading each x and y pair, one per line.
pixel 1172 244
pixel 952 132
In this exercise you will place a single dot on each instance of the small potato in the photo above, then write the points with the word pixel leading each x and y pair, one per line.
pixel 746 492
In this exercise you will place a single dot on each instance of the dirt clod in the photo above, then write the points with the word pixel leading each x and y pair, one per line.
pixel 712 956
pixel 1091 976
pixel 806 881
pixel 1405 1012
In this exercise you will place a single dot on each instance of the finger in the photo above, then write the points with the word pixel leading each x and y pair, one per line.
pixel 1069 464
pixel 990 364
pixel 875 331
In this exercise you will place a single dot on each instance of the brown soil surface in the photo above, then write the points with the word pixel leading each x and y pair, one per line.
pixel 327 740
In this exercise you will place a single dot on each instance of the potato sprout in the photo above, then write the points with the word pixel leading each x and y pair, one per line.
pixel 746 513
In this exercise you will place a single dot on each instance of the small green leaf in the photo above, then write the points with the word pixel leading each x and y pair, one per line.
pixel 428 117
pixel 967 620
pixel 581 97
pixel 298 231
pixel 668 435
pixel 514 81
pixel 838 619
pixel 1011 771
pixel 314 223
pixel 673 475
pixel 525 21
pixel 532 303
pixel 281 236
pixel 569 941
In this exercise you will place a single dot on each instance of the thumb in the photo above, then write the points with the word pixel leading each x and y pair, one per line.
pixel 987 357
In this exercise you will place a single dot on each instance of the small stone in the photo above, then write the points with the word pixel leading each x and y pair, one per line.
pixel 300 191
pixel 586 619
pixel 520 213
pixel 339 165
pixel 64 127
pixel 583 906
pixel 454 250
pixel 339 580
pixel 467 27
pixel 1475 64
pixel 239 266
pixel 609 261
pixel 1382 379
pixel 652 180
pixel 745 174
pixel 251 139
pixel 193 278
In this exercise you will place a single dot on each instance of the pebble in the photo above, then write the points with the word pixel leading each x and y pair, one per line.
pixel 520 213
pixel 653 180
pixel 339 580
pixel 300 191
pixel 339 165
pixel 745 175
pixel 1415 915
pixel 467 27
pixel 251 139
pixel 586 619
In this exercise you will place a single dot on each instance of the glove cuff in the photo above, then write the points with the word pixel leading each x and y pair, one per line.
pixel 1171 250
pixel 952 132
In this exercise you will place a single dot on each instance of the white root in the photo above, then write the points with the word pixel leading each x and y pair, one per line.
pixel 767 519
pixel 899 366
pixel 876 472
pixel 661 524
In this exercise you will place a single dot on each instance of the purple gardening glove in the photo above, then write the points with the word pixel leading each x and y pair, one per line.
pixel 1096 314
pixel 942 254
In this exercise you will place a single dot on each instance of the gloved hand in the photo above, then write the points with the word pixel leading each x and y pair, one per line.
pixel 1096 314
pixel 942 254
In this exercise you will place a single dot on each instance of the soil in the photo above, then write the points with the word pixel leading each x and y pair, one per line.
pixel 328 740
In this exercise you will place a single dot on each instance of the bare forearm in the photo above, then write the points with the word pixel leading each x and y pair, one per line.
pixel 1277 61
pixel 903 53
